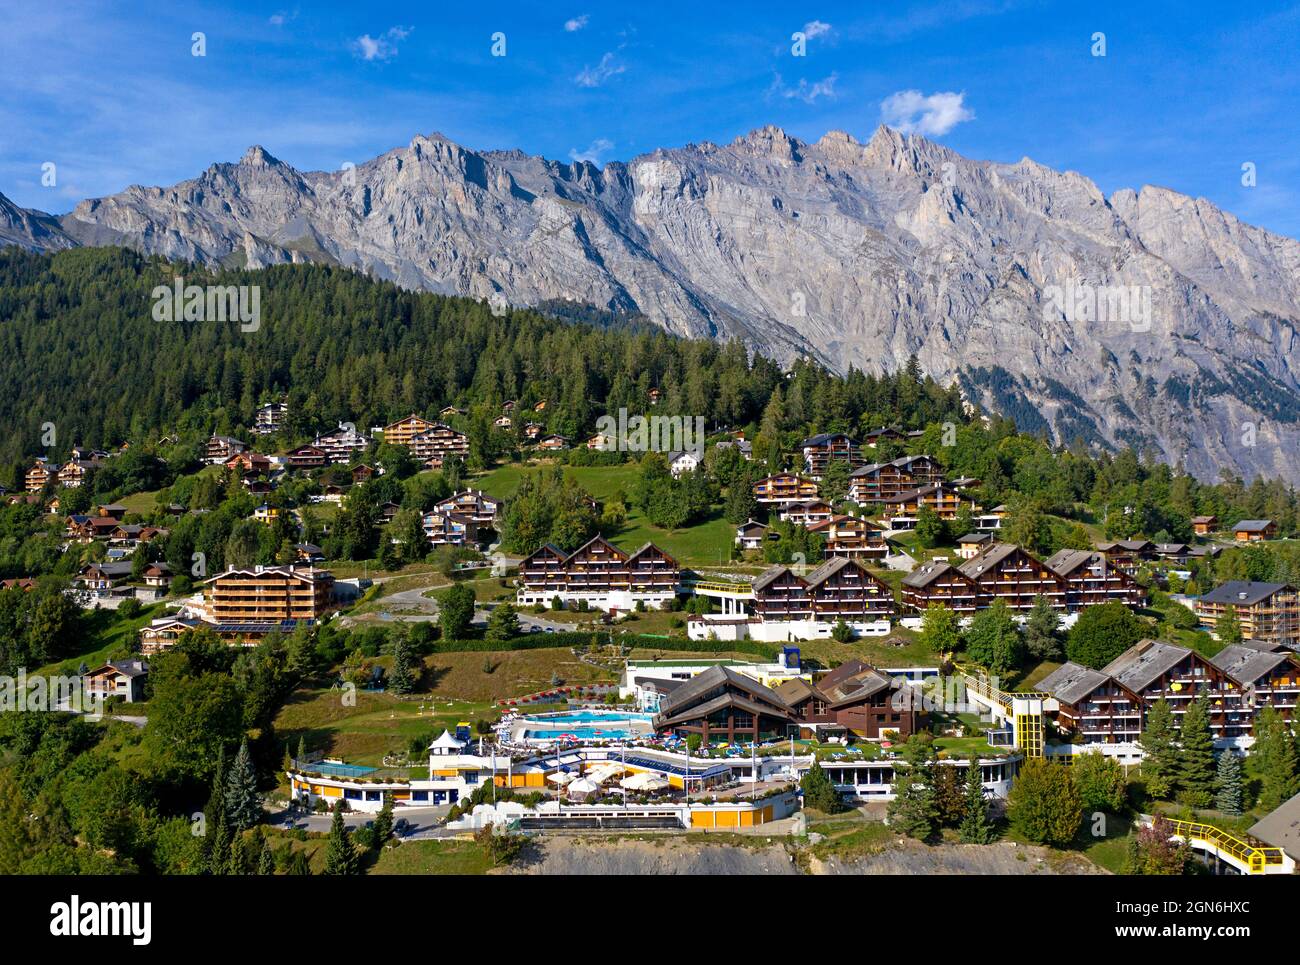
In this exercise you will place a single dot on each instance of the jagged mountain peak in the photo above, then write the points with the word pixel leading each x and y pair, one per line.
pixel 859 254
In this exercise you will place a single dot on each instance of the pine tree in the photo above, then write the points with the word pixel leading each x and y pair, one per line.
pixel 340 855
pixel 401 679
pixel 1273 758
pixel 1161 753
pixel 819 792
pixel 913 809
pixel 976 828
pixel 383 826
pixel 1196 756
pixel 266 860
pixel 302 749
pixel 1228 782
pixel 243 804
pixel 216 840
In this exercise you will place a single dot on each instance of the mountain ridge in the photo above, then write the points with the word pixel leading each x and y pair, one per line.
pixel 855 253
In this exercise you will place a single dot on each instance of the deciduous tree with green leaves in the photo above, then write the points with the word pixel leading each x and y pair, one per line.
pixel 1043 804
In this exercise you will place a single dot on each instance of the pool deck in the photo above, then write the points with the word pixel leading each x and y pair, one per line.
pixel 632 728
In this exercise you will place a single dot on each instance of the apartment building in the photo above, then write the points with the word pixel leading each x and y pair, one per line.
pixel 879 481
pixel 1091 580
pixel 820 450
pixel 1264 611
pixel 784 489
pixel 599 573
pixel 852 537
pixel 269 593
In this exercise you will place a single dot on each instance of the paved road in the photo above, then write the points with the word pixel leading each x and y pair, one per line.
pixel 415 607
pixel 422 822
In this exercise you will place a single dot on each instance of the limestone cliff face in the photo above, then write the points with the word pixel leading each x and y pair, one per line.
pixel 1148 318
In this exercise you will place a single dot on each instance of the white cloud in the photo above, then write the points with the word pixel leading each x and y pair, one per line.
pixel 911 111
pixel 806 92
pixel 281 18
pixel 595 76
pixel 815 28
pixel 383 47
pixel 576 23
pixel 593 151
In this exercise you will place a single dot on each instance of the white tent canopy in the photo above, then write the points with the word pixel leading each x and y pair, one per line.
pixel 447 743
pixel 561 777
pixel 644 781
pixel 582 787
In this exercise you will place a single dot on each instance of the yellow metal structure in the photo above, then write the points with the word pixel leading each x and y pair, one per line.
pixel 1256 858
pixel 1024 709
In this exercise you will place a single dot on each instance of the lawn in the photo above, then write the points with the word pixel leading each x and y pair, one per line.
pixel 704 544
pixel 433 858
pixel 106 633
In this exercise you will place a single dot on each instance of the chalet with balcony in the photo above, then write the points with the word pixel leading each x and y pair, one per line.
pixel 1093 705
pixel 879 481
pixel 838 589
pixel 820 450
pixel 720 704
pixel 852 537
pixel 306 457
pixel 439 442
pixel 475 504
pixel 1008 573
pixel 1267 674
pixel 265 594
pixel 404 431
pixel 1204 525
pixel 784 489
pixel 221 449
pixel 1127 554
pixel 903 511
pixel 118 678
pixel 72 474
pixel 1264 611
pixel 35 478
pixel 270 418
pixel 249 463
pixel 103 578
pixel 939 583
pixel 810 512
pixel 553 444
pixel 1156 669
pixel 1091 580
pixel 600 574
pixel 341 444
pixel 447 528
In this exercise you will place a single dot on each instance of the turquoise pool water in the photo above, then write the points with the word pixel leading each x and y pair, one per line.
pixel 587 725
pixel 340 770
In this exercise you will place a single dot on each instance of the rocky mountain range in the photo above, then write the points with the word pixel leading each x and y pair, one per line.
pixel 1147 318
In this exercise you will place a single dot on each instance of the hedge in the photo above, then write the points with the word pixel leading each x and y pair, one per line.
pixel 551 641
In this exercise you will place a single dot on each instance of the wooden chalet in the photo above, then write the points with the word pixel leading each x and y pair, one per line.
pixel 404 431
pixel 248 463
pixel 599 573
pixel 853 697
pixel 720 704
pixel 1091 580
pixel 1128 554
pixel 1254 530
pixel 972 544
pixel 820 450
pixel 1093 705
pixel 118 678
pixel 939 583
pixel 838 589
pixel 903 511
pixel 810 512
pixel 341 444
pixel 1267 674
pixel 439 442
pixel 784 489
pixel 1204 525
pixel 1156 669
pixel 35 478
pixel 475 504
pixel 220 449
pixel 553 444
pixel 448 528
pixel 852 537
pixel 306 457
pixel 879 481
pixel 1008 573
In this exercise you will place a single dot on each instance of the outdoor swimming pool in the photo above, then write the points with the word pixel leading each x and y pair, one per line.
pixel 586 725
pixel 339 770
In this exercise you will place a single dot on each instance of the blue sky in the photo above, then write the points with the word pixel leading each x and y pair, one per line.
pixel 1185 95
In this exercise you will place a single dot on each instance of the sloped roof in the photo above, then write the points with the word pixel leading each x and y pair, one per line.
pixel 987 558
pixel 770 574
pixel 867 682
pixel 1065 562
pixel 1252 525
pixel 1071 682
pixel 1247 664
pixel 1242 592
pixel 1281 828
pixel 1144 662
pixel 927 573
pixel 716 676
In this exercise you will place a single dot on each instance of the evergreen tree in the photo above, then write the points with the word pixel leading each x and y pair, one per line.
pixel 340 854
pixel 1228 782
pixel 266 860
pixel 913 809
pixel 503 624
pixel 819 792
pixel 383 826
pixel 993 640
pixel 243 805
pixel 216 838
pixel 1041 640
pixel 401 678
pixel 1160 761
pixel 1196 756
pixel 976 828
pixel 1043 804
pixel 1273 759
pixel 1227 628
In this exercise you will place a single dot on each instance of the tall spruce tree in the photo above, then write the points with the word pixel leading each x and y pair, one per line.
pixel 1196 755
pixel 1228 782
pixel 1160 762
pixel 1273 759
pixel 243 804
pixel 340 854
pixel 976 828
pixel 401 678
pixel 913 809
